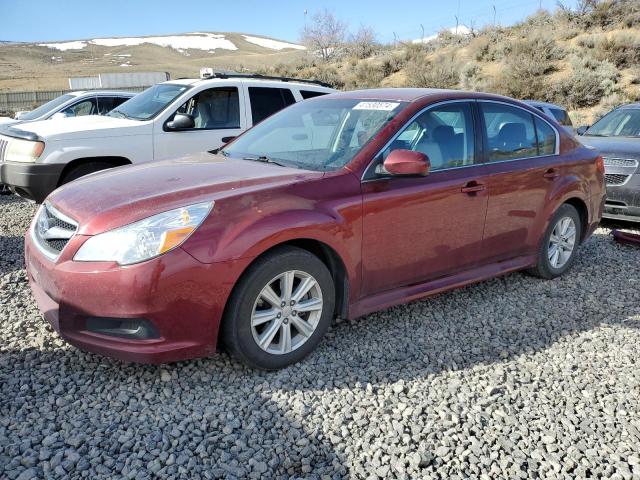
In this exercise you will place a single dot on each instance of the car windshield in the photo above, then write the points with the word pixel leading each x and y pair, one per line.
pixel 149 103
pixel 46 108
pixel 323 134
pixel 623 122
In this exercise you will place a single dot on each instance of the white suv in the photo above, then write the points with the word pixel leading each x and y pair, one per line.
pixel 168 120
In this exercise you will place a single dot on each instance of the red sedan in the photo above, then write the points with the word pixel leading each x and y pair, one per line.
pixel 337 206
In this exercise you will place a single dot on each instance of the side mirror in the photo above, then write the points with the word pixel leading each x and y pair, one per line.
pixel 582 129
pixel 407 162
pixel 181 121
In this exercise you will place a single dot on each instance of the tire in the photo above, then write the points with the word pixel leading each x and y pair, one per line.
pixel 546 267
pixel 241 336
pixel 84 169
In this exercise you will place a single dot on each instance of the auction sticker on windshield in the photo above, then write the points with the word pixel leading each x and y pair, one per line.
pixel 384 106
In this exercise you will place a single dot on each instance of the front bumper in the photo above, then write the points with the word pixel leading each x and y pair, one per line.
pixel 182 298
pixel 33 181
pixel 623 201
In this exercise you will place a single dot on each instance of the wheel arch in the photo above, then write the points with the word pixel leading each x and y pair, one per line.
pixel 115 161
pixel 583 211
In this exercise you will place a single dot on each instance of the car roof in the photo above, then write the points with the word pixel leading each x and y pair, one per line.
pixel 201 81
pixel 537 103
pixel 414 94
pixel 79 93
pixel 630 105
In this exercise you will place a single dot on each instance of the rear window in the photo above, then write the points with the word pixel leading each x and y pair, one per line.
pixel 561 116
pixel 311 94
pixel 267 101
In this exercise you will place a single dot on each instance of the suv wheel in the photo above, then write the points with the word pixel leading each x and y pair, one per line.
pixel 84 169
pixel 280 309
pixel 559 244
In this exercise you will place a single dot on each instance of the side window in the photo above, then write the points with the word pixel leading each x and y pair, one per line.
pixel 85 107
pixel 267 101
pixel 546 138
pixel 561 116
pixel 311 94
pixel 106 104
pixel 444 133
pixel 510 132
pixel 215 108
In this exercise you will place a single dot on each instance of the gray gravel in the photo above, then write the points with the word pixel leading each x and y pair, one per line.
pixel 511 378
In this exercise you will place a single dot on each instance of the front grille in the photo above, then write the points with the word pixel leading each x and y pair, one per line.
pixel 3 148
pixel 615 179
pixel 52 230
pixel 620 162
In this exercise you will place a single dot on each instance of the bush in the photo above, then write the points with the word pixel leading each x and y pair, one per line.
pixel 441 72
pixel 366 74
pixel 623 50
pixel 589 82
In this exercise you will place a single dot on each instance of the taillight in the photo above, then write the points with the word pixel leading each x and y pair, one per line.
pixel 600 164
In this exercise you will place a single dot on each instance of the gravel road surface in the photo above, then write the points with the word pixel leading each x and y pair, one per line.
pixel 511 378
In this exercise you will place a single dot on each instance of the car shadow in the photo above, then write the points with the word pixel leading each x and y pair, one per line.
pixel 236 416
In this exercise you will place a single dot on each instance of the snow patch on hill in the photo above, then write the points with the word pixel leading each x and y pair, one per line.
pixel 198 41
pixel 272 44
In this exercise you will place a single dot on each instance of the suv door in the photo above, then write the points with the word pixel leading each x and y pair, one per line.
pixel 86 106
pixel 265 101
pixel 106 103
pixel 522 166
pixel 417 229
pixel 217 114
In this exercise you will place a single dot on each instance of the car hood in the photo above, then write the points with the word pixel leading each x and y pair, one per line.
pixel 622 147
pixel 116 197
pixel 82 127
pixel 7 120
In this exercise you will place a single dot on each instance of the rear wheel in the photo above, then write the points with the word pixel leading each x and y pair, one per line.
pixel 559 245
pixel 84 169
pixel 280 309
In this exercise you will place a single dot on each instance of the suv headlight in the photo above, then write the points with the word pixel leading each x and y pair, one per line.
pixel 146 238
pixel 26 151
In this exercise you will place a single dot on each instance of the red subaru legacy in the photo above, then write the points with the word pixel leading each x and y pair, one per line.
pixel 337 206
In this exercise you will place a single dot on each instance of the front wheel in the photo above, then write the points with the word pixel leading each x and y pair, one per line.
pixel 280 309
pixel 559 245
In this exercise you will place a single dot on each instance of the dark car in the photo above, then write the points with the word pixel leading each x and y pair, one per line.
pixel 340 205
pixel 617 137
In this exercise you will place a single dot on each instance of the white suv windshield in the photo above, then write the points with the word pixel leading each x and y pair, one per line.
pixel 321 134
pixel 46 108
pixel 149 103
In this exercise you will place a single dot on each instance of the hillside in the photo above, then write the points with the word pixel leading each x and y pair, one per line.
pixel 587 59
pixel 47 65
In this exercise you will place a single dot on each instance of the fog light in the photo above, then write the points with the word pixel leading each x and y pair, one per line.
pixel 134 328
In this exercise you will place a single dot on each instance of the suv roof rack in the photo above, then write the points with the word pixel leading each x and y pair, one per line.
pixel 258 76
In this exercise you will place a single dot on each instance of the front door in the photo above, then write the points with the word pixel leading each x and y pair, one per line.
pixel 218 116
pixel 417 229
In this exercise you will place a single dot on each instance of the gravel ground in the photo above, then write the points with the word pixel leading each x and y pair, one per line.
pixel 511 378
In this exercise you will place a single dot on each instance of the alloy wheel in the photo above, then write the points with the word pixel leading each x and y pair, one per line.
pixel 562 242
pixel 286 312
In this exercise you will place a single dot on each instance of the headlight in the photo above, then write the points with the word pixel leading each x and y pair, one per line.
pixel 146 238
pixel 23 150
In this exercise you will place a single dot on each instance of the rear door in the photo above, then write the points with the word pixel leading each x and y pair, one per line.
pixel 522 164
pixel 218 116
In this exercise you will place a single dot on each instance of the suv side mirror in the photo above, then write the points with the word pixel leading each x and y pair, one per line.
pixel 407 162
pixel 181 121
pixel 582 129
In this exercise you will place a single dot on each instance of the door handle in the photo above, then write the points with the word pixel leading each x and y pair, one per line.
pixel 551 173
pixel 473 187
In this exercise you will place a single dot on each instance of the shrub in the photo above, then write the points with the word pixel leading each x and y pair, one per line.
pixel 441 72
pixel 589 81
pixel 623 50
pixel 366 74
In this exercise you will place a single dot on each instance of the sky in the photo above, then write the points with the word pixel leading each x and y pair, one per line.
pixel 49 20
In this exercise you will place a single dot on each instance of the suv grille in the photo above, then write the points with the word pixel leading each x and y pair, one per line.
pixel 620 162
pixel 615 179
pixel 3 148
pixel 52 231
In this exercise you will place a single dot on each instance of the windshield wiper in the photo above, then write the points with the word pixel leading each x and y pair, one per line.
pixel 264 159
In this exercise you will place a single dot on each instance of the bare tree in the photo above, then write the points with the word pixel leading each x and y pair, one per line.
pixel 363 43
pixel 325 34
